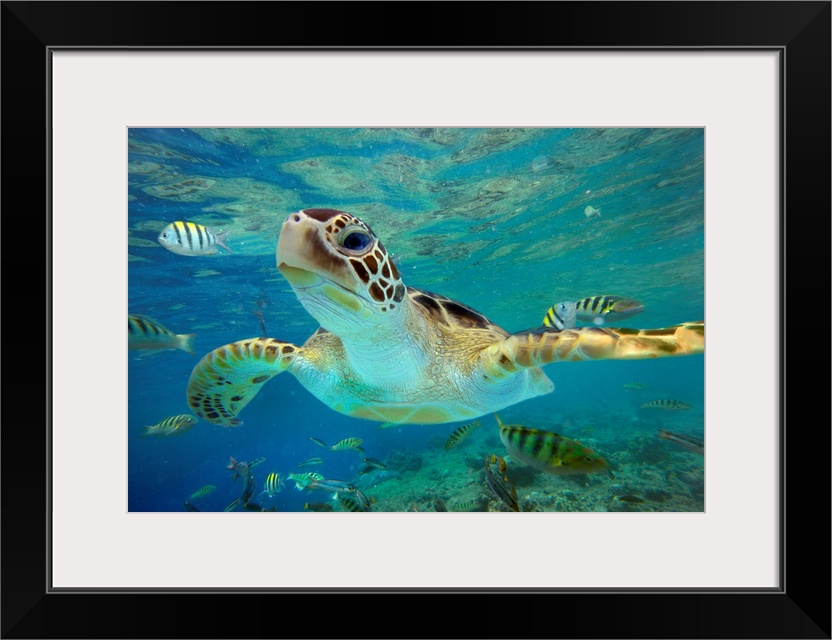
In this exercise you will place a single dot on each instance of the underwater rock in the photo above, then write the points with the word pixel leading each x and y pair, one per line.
pixel 649 452
pixel 401 460
pixel 657 495
pixel 378 477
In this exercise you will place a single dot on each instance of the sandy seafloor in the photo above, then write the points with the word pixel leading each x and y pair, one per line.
pixel 494 218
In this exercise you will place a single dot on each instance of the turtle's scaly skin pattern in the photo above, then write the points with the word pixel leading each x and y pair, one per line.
pixel 392 353
pixel 539 347
pixel 228 378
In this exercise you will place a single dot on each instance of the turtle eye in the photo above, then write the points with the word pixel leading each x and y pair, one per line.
pixel 356 241
pixel 588 459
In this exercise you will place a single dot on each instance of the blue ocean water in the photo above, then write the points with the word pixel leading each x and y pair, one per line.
pixel 494 218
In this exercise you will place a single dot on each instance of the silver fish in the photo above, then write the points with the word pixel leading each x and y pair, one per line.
pixel 694 445
pixel 331 485
pixel 561 316
pixel 242 470
pixel 191 239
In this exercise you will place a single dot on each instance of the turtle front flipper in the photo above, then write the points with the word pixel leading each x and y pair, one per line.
pixel 541 346
pixel 227 379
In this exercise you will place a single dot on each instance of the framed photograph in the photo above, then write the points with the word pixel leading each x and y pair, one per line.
pixel 365 218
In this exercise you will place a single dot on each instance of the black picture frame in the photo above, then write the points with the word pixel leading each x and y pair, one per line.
pixel 800 608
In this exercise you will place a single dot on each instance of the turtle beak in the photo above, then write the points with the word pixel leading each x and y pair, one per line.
pixel 307 260
pixel 304 257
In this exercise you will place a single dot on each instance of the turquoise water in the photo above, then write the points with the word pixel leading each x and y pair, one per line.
pixel 494 218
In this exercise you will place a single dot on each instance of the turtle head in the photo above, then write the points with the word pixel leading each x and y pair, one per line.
pixel 338 268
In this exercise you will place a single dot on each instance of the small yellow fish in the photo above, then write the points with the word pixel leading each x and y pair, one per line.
pixel 171 426
pixel 148 335
pixel 635 385
pixel 460 433
pixel 502 487
pixel 274 484
pixel 348 444
pixel 468 505
pixel 191 239
pixel 592 212
pixel 203 491
pixel 500 462
pixel 667 404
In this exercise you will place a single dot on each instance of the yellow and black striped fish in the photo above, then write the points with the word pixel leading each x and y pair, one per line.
pixel 347 444
pixel 303 480
pixel 203 491
pixel 273 484
pixel 601 309
pixel 468 505
pixel 548 451
pixel 347 503
pixel 460 433
pixel 667 404
pixel 192 239
pixel 637 386
pixel 561 316
pixel 148 335
pixel 171 426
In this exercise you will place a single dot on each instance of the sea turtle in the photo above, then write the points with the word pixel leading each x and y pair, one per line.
pixel 392 353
